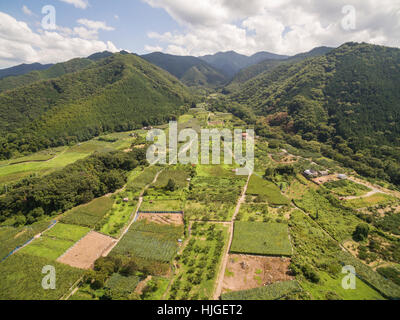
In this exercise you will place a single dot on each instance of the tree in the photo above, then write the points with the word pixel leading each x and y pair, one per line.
pixel 361 233
pixel 171 185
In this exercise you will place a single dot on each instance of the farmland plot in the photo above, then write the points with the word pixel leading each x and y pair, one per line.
pixel 21 278
pixel 261 239
pixel 263 188
pixel 150 241
pixel 274 291
pixel 90 214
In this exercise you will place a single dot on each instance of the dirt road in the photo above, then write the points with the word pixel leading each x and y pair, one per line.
pixel 221 274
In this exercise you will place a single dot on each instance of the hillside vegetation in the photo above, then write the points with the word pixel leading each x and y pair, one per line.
pixel 190 70
pixel 121 92
pixel 347 100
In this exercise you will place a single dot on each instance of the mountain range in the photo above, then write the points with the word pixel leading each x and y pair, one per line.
pixel 344 98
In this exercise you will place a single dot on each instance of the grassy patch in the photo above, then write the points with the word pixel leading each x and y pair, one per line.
pixel 261 238
pixel 48 248
pixel 90 214
pixel 331 288
pixel 67 232
pixel 263 188
pixel 345 188
pixel 274 291
pixel 150 241
pixel 374 200
pixel 21 278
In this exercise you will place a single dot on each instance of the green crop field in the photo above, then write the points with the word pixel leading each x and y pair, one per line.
pixel 150 241
pixel 374 200
pixel 338 222
pixel 263 188
pixel 67 232
pixel 50 248
pixel 11 237
pixel 274 291
pixel 161 205
pixel 121 286
pixel 55 242
pixel 261 238
pixel 346 188
pixel 21 278
pixel 329 285
pixel 90 214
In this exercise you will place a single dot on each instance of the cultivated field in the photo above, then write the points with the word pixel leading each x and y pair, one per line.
pixel 84 253
pixel 90 214
pixel 21 278
pixel 261 239
pixel 245 272
pixel 276 291
pixel 162 218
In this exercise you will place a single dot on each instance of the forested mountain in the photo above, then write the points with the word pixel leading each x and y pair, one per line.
pixel 25 74
pixel 268 64
pixel 23 69
pixel 120 92
pixel 54 71
pixel 231 62
pixel 190 70
pixel 347 99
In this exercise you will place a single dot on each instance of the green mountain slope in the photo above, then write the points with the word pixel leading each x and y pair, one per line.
pixel 230 63
pixel 23 69
pixel 55 71
pixel 121 92
pixel 266 65
pixel 190 70
pixel 348 99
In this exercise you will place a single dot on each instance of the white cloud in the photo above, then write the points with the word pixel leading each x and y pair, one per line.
pixel 153 49
pixel 281 26
pixel 95 25
pixel 27 11
pixel 20 44
pixel 81 4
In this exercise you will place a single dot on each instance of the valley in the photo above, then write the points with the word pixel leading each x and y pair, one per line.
pixel 238 238
pixel 77 192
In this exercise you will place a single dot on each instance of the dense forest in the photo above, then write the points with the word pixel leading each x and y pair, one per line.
pixel 190 70
pixel 347 100
pixel 30 199
pixel 120 92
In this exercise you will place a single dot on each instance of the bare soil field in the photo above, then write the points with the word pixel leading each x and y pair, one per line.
pixel 85 252
pixel 325 179
pixel 245 272
pixel 164 218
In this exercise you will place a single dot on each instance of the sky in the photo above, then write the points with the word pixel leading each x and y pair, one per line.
pixel 50 31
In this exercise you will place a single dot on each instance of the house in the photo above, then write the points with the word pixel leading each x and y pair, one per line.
pixel 126 199
pixel 342 177
pixel 324 173
pixel 311 174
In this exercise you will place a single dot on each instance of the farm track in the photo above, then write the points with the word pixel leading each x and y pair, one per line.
pixel 224 262
pixel 133 216
pixel 375 190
